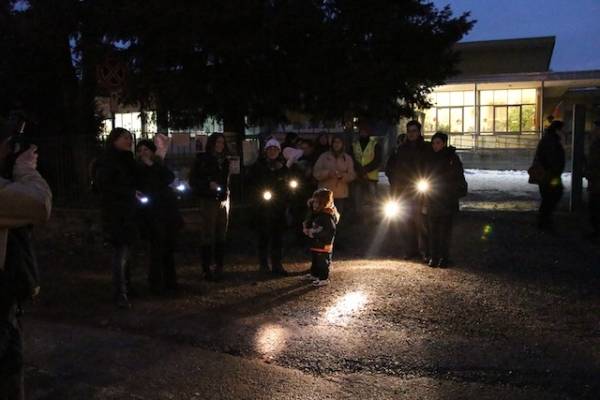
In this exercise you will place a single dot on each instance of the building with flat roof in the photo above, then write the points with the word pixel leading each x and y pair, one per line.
pixel 496 108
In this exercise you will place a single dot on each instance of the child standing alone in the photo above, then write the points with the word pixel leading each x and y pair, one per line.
pixel 320 226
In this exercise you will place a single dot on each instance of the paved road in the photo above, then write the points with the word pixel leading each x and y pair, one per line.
pixel 510 320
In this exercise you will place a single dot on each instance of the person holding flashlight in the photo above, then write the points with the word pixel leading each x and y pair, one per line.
pixel 209 180
pixel 270 180
pixel 159 218
pixel 405 168
pixel 446 184
pixel 116 181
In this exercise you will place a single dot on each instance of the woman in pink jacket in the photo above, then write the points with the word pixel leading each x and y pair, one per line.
pixel 334 170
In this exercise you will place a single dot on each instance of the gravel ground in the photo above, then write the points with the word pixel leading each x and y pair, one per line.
pixel 516 317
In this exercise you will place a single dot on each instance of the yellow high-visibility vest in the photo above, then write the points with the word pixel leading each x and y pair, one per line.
pixel 366 156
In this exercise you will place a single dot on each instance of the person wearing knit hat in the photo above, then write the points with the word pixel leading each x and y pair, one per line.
pixel 269 180
pixel 272 142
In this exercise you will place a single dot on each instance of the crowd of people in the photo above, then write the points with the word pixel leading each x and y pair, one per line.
pixel 300 184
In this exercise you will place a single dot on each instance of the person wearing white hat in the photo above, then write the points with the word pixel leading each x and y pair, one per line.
pixel 270 193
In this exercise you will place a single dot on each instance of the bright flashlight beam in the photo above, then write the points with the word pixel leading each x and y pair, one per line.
pixel 423 186
pixel 144 200
pixel 181 187
pixel 294 184
pixel 267 195
pixel 391 209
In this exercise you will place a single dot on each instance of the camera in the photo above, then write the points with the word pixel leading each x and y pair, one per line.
pixel 18 142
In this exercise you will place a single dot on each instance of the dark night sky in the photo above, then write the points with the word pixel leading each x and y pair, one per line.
pixel 575 23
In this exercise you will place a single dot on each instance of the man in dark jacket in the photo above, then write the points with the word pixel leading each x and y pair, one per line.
pixel 550 156
pixel 159 218
pixel 447 184
pixel 270 195
pixel 405 169
pixel 593 177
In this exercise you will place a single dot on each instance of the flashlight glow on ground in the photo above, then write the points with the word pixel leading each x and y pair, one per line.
pixel 267 195
pixel 294 184
pixel 345 307
pixel 423 186
pixel 270 339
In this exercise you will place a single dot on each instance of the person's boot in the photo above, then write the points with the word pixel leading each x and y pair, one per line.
pixel 122 301
pixel 443 263
pixel 433 263
pixel 206 261
pixel 219 260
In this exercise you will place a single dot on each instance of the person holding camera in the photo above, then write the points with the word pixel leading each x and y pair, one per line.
pixel 209 180
pixel 25 200
pixel 159 218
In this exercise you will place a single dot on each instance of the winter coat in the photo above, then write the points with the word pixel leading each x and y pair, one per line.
pixel 161 212
pixel 446 177
pixel 25 200
pixel 550 155
pixel 210 168
pixel 407 165
pixel 592 169
pixel 343 165
pixel 272 176
pixel 323 226
pixel 116 182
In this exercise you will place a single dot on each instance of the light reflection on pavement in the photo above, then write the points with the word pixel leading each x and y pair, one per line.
pixel 346 307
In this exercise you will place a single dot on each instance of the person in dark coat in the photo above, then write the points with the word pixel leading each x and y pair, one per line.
pixel 550 156
pixel 270 195
pixel 323 144
pixel 447 185
pixel 321 225
pixel 592 173
pixel 405 168
pixel 159 217
pixel 209 180
pixel 116 181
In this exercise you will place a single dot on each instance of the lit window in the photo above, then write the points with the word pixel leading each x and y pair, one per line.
pixel 456 120
pixel 487 97
pixel 469 119
pixel 500 119
pixel 443 119
pixel 500 97
pixel 469 98
pixel 529 96
pixel 528 120
pixel 443 99
pixel 430 120
pixel 514 119
pixel 487 120
pixel 514 97
pixel 456 99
